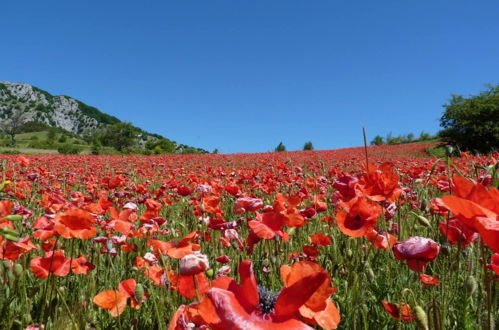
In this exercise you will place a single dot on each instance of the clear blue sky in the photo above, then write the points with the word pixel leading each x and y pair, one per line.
pixel 243 75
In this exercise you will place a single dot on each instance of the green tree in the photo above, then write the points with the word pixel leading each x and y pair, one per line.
pixel 13 125
pixel 377 141
pixel 280 147
pixel 52 133
pixel 308 146
pixel 120 136
pixel 472 123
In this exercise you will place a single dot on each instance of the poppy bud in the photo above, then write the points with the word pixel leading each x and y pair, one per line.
pixel 11 238
pixel 14 217
pixel 266 262
pixel 139 292
pixel 370 274
pixel 423 221
pixel 18 270
pixel 349 253
pixel 470 285
pixel 421 317
pixel 209 272
pixel 11 276
pixel 8 231
pixel 406 292
pixel 193 264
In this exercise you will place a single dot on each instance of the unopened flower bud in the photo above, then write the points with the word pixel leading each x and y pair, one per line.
pixel 421 317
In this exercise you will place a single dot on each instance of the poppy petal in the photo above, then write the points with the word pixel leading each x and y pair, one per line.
pixel 291 298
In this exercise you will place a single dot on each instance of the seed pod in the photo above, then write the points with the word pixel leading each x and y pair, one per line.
pixel 209 272
pixel 423 221
pixel 470 285
pixel 370 274
pixel 18 270
pixel 421 317
pixel 406 292
pixel 139 292
pixel 14 217
pixel 11 276
pixel 11 238
pixel 349 253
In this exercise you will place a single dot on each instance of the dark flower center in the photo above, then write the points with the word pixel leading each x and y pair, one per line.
pixel 354 223
pixel 267 299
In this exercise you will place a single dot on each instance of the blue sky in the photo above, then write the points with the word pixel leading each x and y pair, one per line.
pixel 241 76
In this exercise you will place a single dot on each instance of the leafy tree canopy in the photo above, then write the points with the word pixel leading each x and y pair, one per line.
pixel 472 123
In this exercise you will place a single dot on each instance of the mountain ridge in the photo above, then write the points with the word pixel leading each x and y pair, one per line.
pixel 61 111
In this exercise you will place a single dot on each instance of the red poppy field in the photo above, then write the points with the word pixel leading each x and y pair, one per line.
pixel 292 240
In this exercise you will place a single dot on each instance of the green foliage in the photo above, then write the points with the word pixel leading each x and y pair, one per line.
pixel 472 123
pixel 280 147
pixel 97 115
pixel 120 136
pixel 63 139
pixel 215 151
pixel 401 139
pixel 96 147
pixel 161 146
pixel 52 134
pixel 378 140
pixel 68 149
pixel 308 146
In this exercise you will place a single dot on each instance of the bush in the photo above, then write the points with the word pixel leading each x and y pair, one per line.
pixel 68 149
pixel 308 146
pixel 472 124
pixel 280 147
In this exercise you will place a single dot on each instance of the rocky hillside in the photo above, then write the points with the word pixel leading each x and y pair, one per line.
pixel 57 111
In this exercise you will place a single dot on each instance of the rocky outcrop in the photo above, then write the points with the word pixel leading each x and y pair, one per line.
pixel 59 111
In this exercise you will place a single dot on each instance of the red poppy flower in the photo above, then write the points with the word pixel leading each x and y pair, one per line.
pixel 457 233
pixel 247 306
pixel 116 300
pixel 417 251
pixel 319 309
pixel 428 280
pixel 381 183
pixel 80 265
pixel 10 250
pixel 320 239
pixel 399 312
pixel 381 240
pixel 247 204
pixel 53 263
pixel 357 217
pixel 75 224
pixel 193 264
pixel 176 249
pixel 494 263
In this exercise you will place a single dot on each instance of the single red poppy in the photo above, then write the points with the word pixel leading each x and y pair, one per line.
pixel 417 251
pixel 80 265
pixel 75 224
pixel 399 312
pixel 53 263
pixel 457 233
pixel 357 217
pixel 247 306
pixel 428 280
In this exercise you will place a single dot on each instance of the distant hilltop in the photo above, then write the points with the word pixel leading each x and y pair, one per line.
pixel 60 111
